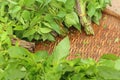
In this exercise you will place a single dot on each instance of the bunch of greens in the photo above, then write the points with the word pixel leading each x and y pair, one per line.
pixel 90 10
pixel 42 19
pixel 20 64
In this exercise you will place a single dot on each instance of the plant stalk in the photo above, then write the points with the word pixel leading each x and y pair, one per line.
pixel 85 21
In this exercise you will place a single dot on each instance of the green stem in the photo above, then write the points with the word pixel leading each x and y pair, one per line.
pixel 81 10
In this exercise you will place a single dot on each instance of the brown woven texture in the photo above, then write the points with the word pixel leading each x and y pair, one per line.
pixel 105 41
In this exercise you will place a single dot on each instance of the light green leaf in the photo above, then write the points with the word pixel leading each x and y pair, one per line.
pixel 9 30
pixel 109 56
pixel 62 1
pixel 2 60
pixel 61 50
pixel 28 2
pixel 34 20
pixel 41 56
pixel 12 2
pixel 71 19
pixel 117 64
pixel 18 27
pixel 97 16
pixel 107 63
pixel 53 24
pixel 15 9
pixel 91 9
pixel 47 36
pixel 61 14
pixel 29 32
pixel 18 52
pixel 47 24
pixel 26 15
pixel 69 5
pixel 45 30
pixel 108 73
pixel 13 72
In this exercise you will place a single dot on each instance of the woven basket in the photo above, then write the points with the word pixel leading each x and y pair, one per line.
pixel 105 41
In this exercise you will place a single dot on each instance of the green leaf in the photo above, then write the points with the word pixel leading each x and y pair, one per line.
pixel 34 20
pixel 26 15
pixel 76 76
pixel 36 37
pixel 61 14
pixel 45 30
pixel 3 36
pixel 50 37
pixel 12 2
pixel 9 30
pixel 15 9
pixel 53 24
pixel 97 16
pixel 47 24
pixel 47 36
pixel 71 19
pixel 61 50
pixel 14 72
pixel 62 1
pixel 2 61
pixel 28 3
pixel 3 19
pixel 18 27
pixel 55 27
pixel 18 52
pixel 29 32
pixel 91 9
pixel 2 9
pixel 108 73
pixel 107 63
pixel 41 56
pixel 117 64
pixel 69 5
pixel 109 57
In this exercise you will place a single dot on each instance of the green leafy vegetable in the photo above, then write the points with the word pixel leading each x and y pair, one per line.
pixel 35 19
pixel 20 64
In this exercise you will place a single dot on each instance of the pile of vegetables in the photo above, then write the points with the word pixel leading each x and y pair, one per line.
pixel 43 19
pixel 19 64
